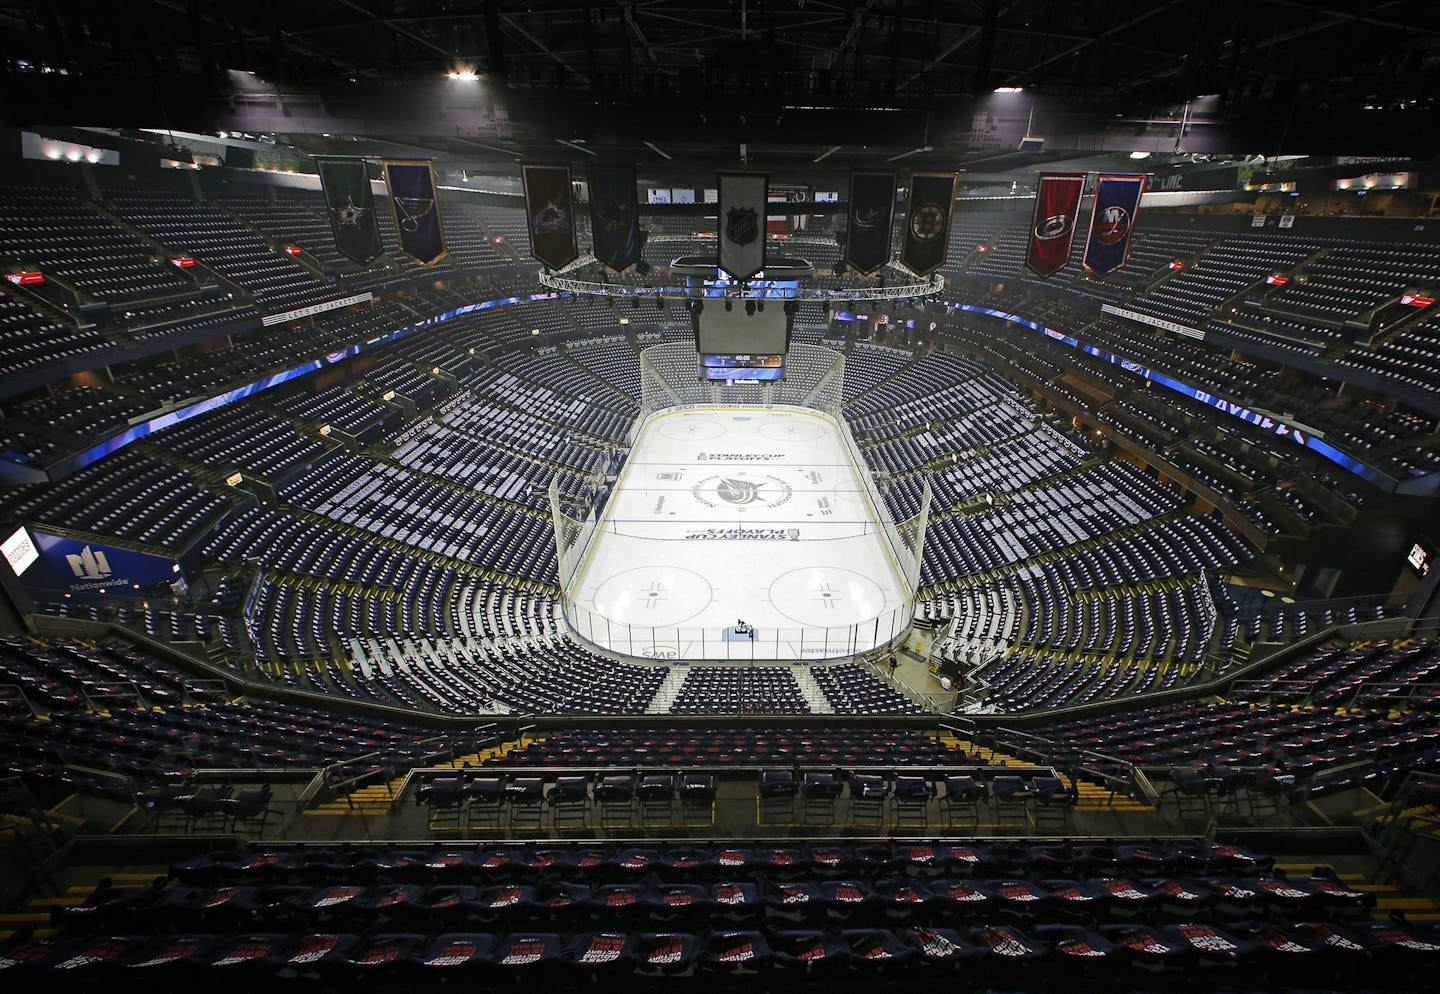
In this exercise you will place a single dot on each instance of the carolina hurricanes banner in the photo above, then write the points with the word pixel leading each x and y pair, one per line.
pixel 742 223
pixel 346 185
pixel 1112 220
pixel 1052 227
pixel 411 183
pixel 927 228
pixel 551 209
pixel 872 212
pixel 614 216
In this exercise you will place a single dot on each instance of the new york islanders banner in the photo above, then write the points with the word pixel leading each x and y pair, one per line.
pixel 346 185
pixel 614 216
pixel 411 183
pixel 550 208
pixel 872 213
pixel 1052 226
pixel 742 223
pixel 927 227
pixel 1112 221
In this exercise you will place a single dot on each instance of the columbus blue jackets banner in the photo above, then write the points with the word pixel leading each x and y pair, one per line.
pixel 550 207
pixel 346 185
pixel 614 216
pixel 872 211
pixel 1112 221
pixel 84 569
pixel 927 222
pixel 742 223
pixel 1052 226
pixel 411 183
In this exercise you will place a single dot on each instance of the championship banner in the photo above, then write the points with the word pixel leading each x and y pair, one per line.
pixel 1052 227
pixel 346 185
pixel 550 207
pixel 1112 221
pixel 614 216
pixel 742 201
pixel 927 231
pixel 872 212
pixel 411 183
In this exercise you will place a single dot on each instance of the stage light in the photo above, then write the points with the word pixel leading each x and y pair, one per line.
pixel 1009 89
pixel 462 75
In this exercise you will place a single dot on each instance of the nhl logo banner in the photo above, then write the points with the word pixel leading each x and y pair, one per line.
pixel 614 216
pixel 742 223
pixel 550 208
pixel 1112 221
pixel 1052 227
pixel 346 185
pixel 872 211
pixel 927 222
pixel 417 211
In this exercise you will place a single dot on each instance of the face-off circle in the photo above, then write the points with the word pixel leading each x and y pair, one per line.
pixel 826 597
pixel 653 596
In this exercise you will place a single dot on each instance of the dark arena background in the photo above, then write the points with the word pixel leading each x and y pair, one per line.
pixel 721 495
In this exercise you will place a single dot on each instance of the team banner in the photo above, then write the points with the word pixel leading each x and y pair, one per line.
pixel 927 231
pixel 411 183
pixel 88 569
pixel 872 212
pixel 1112 221
pixel 1052 227
pixel 614 216
pixel 346 185
pixel 742 201
pixel 550 207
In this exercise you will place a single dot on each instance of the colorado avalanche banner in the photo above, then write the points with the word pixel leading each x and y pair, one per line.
pixel 872 212
pixel 411 183
pixel 1052 227
pixel 551 209
pixel 1112 221
pixel 742 223
pixel 614 216
pixel 346 185
pixel 927 227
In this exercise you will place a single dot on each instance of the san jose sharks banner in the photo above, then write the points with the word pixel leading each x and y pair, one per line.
pixel 550 208
pixel 1052 226
pixel 927 221
pixel 872 213
pixel 742 202
pixel 614 216
pixel 411 183
pixel 346 185
pixel 1112 221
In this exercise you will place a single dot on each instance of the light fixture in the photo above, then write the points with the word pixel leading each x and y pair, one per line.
pixel 462 75
pixel 1009 89
pixel 1139 155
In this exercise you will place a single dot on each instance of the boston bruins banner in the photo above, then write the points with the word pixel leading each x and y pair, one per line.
pixel 551 212
pixel 1112 221
pixel 346 185
pixel 1052 226
pixel 614 216
pixel 927 222
pixel 742 223
pixel 411 183
pixel 872 212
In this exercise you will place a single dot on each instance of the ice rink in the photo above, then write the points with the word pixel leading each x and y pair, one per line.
pixel 729 514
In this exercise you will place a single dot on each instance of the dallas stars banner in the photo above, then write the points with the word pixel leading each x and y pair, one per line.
pixel 1112 220
pixel 872 212
pixel 742 223
pixel 927 228
pixel 614 216
pixel 411 183
pixel 346 185
pixel 1052 226
pixel 550 207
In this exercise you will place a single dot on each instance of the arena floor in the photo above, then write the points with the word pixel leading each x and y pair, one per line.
pixel 729 514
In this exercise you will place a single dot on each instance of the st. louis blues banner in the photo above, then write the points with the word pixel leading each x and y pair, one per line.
pixel 346 185
pixel 1112 221
pixel 614 216
pixel 1052 226
pixel 872 211
pixel 927 222
pixel 550 208
pixel 411 183
pixel 742 223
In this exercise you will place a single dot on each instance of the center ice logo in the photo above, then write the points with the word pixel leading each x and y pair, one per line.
pixel 738 491
pixel 741 492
